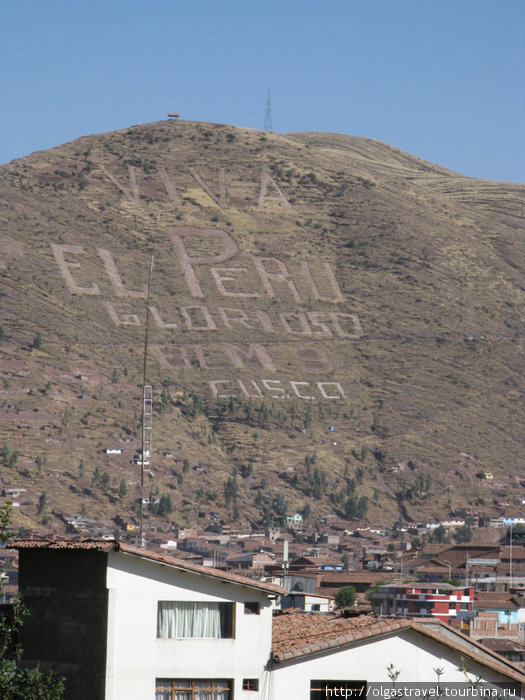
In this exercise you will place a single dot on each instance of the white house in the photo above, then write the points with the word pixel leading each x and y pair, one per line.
pixel 318 656
pixel 125 623
pixel 309 602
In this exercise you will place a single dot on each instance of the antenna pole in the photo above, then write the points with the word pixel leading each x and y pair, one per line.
pixel 147 400
pixel 268 119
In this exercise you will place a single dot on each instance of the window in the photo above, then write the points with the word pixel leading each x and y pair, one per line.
pixel 252 609
pixel 250 684
pixel 177 619
pixel 316 607
pixel 185 689
pixel 320 690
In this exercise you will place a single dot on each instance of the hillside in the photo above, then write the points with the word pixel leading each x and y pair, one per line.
pixel 331 320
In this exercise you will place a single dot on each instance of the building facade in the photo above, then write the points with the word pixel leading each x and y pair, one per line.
pixel 121 622
pixel 443 601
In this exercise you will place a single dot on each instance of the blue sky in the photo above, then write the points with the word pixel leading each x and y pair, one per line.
pixel 441 79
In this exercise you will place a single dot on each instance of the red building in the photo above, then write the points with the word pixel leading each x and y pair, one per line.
pixel 442 600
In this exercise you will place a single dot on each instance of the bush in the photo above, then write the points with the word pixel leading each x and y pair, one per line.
pixel 345 597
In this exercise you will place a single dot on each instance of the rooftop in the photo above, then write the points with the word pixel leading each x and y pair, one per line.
pixel 166 559
pixel 426 586
pixel 297 634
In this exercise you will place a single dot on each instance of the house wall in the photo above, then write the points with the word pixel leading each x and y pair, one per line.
pixel 411 653
pixel 489 624
pixel 65 592
pixel 136 657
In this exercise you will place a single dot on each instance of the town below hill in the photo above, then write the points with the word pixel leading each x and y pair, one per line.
pixel 478 586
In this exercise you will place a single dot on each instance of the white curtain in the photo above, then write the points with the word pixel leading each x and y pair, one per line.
pixel 182 619
pixel 195 690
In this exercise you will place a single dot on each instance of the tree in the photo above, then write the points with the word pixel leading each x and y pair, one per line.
pixel 123 489
pixel 230 489
pixel 165 505
pixel 37 342
pixel 96 476
pixel 280 505
pixel 5 452
pixel 165 400
pixel 42 503
pixel 263 415
pixel 345 597
pixel 351 508
pixel 2 333
pixel 196 407
pixel 416 543
pixel 362 507
pixel 16 682
pixel 319 483
pixel 462 534
pixel 439 536
pixel 308 417
pixel 235 509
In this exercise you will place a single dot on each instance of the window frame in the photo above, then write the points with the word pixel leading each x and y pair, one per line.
pixel 226 618
pixel 190 686
pixel 252 608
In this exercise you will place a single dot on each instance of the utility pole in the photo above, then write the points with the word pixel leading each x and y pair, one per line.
pixel 510 522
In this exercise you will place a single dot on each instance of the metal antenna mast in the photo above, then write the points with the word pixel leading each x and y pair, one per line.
pixel 268 118
pixel 147 402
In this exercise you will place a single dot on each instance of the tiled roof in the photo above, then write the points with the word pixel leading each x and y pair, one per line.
pixel 502 602
pixel 347 577
pixel 469 648
pixel 115 546
pixel 500 644
pixel 298 634
pixel 316 561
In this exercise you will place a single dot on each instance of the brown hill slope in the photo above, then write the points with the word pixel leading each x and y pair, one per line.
pixel 301 283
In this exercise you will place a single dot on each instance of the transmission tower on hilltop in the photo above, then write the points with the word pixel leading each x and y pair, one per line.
pixel 268 118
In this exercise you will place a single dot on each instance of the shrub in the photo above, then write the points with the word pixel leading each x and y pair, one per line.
pixel 345 597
